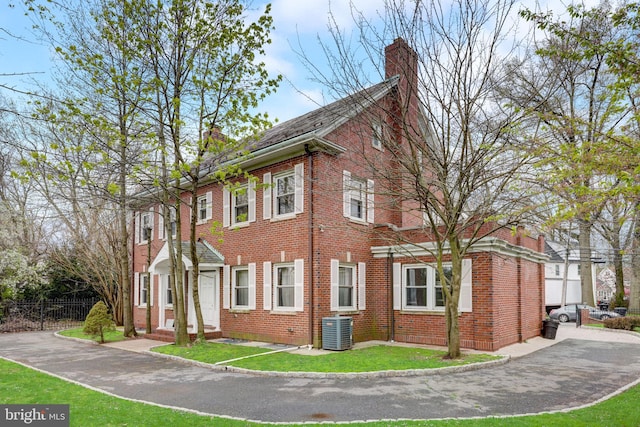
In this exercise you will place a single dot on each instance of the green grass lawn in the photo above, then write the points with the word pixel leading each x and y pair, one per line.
pixel 20 385
pixel 368 359
pixel 109 336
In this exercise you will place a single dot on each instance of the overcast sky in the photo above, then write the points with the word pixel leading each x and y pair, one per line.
pixel 297 22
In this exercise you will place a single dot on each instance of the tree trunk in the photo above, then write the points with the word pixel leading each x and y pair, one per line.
pixel 179 312
pixel 586 278
pixel 452 296
pixel 634 297
pixel 196 265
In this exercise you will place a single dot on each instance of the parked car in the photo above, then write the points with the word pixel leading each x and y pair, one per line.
pixel 570 313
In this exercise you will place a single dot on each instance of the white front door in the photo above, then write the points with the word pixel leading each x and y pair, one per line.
pixel 209 297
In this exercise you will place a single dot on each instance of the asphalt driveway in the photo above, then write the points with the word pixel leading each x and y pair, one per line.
pixel 568 374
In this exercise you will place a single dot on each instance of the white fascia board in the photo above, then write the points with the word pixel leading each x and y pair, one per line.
pixel 488 244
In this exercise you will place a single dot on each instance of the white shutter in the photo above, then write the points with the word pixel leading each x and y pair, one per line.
pixel 161 232
pixel 335 285
pixel 465 303
pixel 298 267
pixel 209 197
pixel 362 286
pixel 226 207
pixel 226 286
pixel 346 183
pixel 370 210
pixel 397 286
pixel 136 289
pixel 252 286
pixel 266 277
pixel 252 200
pixel 137 227
pixel 299 184
pixel 266 196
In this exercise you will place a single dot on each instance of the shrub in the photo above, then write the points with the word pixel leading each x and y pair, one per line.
pixel 98 321
pixel 626 323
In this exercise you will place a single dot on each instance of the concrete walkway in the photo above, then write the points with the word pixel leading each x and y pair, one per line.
pixel 580 367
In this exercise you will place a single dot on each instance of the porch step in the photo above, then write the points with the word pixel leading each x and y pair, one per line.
pixel 167 335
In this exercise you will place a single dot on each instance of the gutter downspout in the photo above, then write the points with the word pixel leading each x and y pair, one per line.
pixel 392 319
pixel 311 243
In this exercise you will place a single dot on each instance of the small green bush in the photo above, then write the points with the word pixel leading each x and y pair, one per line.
pixel 626 323
pixel 98 321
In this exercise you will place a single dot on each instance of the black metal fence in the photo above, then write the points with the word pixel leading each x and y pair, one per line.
pixel 19 316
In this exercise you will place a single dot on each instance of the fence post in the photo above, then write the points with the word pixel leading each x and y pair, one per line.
pixel 42 315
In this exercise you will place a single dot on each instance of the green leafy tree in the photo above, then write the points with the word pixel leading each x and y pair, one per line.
pixel 207 79
pixel 569 88
pixel 98 321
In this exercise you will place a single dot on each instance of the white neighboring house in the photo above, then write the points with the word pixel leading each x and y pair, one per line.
pixel 554 273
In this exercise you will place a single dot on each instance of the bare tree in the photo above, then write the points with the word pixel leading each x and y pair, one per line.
pixel 454 175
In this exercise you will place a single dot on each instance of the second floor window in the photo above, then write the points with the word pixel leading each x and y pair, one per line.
pixel 241 206
pixel 358 198
pixel 285 189
pixel 203 207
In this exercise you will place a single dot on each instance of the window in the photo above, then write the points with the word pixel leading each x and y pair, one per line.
pixel 285 287
pixel 203 206
pixel 284 194
pixel 144 232
pixel 376 135
pixel 239 205
pixel 557 269
pixel 423 288
pixel 417 287
pixel 357 198
pixel 144 288
pixel 169 291
pixel 241 287
pixel 345 286
pixel 348 286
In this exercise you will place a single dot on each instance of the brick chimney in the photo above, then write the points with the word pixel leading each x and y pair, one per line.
pixel 401 59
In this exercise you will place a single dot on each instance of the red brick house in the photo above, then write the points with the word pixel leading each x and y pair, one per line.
pixel 305 246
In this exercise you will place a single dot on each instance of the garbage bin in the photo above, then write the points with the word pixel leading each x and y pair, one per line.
pixel 622 311
pixel 549 328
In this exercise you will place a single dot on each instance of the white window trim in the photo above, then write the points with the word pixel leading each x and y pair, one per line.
pixel 207 197
pixel 298 285
pixel 430 288
pixel 368 210
pixel 465 303
pixel 165 289
pixel 274 198
pixel 357 291
pixel 229 205
pixel 376 135
pixel 270 201
pixel 140 288
pixel 140 237
pixel 251 287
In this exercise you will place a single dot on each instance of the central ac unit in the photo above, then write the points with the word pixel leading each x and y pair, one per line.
pixel 337 333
